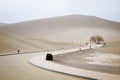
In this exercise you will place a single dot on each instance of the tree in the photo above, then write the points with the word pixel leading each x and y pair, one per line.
pixel 97 39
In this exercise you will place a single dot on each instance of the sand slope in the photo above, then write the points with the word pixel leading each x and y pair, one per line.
pixel 47 34
pixel 53 33
pixel 111 47
pixel 16 67
pixel 65 28
pixel 12 44
pixel 9 43
pixel 2 24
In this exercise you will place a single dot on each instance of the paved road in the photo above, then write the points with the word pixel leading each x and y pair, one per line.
pixel 16 67
pixel 40 61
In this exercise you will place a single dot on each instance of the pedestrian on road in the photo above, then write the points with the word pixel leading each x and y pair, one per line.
pixel 18 51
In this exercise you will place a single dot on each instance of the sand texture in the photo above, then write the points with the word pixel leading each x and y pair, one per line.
pixel 91 60
pixel 16 67
pixel 52 34
pixel 111 47
pixel 65 28
pixel 55 33
pixel 10 44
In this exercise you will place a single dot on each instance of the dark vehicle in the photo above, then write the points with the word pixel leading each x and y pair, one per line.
pixel 49 56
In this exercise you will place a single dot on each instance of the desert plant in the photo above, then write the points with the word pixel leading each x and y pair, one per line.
pixel 97 39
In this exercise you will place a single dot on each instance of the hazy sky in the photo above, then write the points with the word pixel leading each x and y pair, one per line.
pixel 12 11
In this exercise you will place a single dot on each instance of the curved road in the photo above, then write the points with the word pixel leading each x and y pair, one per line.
pixel 16 67
pixel 40 61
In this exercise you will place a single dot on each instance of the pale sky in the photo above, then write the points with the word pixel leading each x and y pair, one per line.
pixel 12 11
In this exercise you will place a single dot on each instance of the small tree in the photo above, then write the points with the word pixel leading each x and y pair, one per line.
pixel 97 39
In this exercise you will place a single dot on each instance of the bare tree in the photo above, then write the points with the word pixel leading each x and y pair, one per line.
pixel 97 39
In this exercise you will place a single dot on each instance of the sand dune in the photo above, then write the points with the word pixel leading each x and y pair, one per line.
pixel 49 34
pixel 12 44
pixel 9 44
pixel 2 24
pixel 53 33
pixel 65 28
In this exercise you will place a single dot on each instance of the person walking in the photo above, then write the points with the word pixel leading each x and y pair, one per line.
pixel 18 51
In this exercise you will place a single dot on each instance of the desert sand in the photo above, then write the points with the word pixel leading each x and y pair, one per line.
pixel 104 59
pixel 91 60
pixel 111 47
pixel 65 29
pixel 16 67
pixel 55 33
pixel 10 44
pixel 50 34
pixel 2 24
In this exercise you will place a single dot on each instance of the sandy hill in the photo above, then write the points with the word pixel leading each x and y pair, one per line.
pixel 65 28
pixel 12 44
pixel 53 33
pixel 3 24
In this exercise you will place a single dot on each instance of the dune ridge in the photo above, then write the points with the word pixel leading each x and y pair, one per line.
pixel 10 44
pixel 54 33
